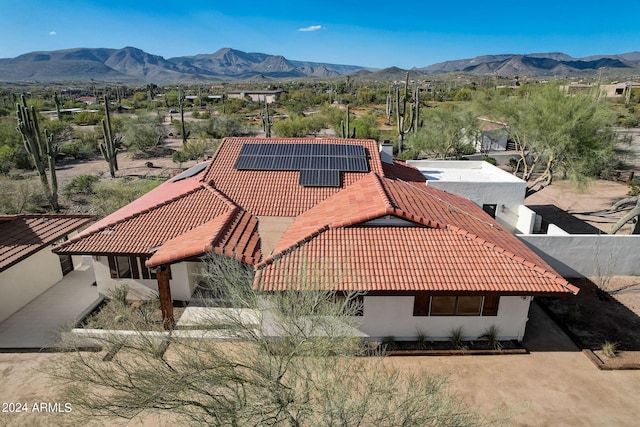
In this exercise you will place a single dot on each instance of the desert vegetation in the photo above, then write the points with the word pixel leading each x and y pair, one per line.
pixel 554 136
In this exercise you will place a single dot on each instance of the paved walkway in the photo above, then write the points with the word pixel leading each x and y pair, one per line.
pixel 36 326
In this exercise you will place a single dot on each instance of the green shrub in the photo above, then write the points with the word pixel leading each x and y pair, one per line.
pixel 6 159
pixel 179 157
pixel 491 160
pixel 81 184
pixel 456 338
pixel 610 349
pixel 111 196
pixel 86 118
pixel 491 335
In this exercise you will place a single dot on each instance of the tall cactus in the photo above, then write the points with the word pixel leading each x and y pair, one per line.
pixel 346 131
pixel 405 116
pixel 389 107
pixel 266 120
pixel 108 146
pixel 56 100
pixel 40 150
pixel 183 130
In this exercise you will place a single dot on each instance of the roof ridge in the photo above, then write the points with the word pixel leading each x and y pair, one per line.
pixel 398 211
pixel 520 260
pixel 223 197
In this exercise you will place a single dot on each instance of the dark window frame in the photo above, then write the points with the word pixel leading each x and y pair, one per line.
pixel 423 305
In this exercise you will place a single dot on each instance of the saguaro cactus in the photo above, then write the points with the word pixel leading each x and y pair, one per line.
pixel 266 120
pixel 40 150
pixel 56 100
pixel 346 131
pixel 405 115
pixel 108 146
pixel 183 131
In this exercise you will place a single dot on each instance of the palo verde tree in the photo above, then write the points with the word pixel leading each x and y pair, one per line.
pixel 42 151
pixel 449 133
pixel 556 134
pixel 286 359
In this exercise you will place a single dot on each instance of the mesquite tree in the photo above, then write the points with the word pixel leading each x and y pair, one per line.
pixel 42 151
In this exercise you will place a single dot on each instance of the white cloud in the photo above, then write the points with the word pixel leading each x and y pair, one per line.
pixel 311 28
pixel 52 33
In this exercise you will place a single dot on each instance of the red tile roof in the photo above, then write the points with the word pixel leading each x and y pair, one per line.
pixel 403 259
pixel 375 197
pixel 23 235
pixel 272 193
pixel 449 243
pixel 233 234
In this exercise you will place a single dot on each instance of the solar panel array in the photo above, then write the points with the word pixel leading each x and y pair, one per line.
pixel 319 164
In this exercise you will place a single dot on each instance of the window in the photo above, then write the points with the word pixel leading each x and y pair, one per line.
pixel 130 267
pixel 490 209
pixel 451 305
pixel 120 267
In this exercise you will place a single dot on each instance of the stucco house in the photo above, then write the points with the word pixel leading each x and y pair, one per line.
pixel 268 96
pixel 27 266
pixel 340 210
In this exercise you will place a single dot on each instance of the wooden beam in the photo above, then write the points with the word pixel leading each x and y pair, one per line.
pixel 164 291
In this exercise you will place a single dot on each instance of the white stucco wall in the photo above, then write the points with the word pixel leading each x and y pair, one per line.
pixel 26 280
pixel 480 182
pixel 587 255
pixel 386 316
pixel 182 283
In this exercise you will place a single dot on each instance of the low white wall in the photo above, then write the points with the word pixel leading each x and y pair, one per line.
pixel 182 282
pixel 23 282
pixel 587 255
pixel 386 316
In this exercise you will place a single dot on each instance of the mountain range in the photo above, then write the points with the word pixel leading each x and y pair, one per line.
pixel 132 65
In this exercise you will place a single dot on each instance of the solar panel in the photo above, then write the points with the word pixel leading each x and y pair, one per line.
pixel 193 171
pixel 319 164
pixel 319 178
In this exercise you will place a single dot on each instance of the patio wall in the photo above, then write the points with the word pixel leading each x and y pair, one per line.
pixel 587 255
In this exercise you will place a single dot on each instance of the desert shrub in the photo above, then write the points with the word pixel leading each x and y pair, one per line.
pixel 456 338
pixel 205 115
pixel 221 126
pixel 119 294
pixel 490 160
pixel 610 349
pixel 491 335
pixel 81 184
pixel 86 118
pixel 195 114
pixel 421 338
pixel 20 195
pixel 179 157
pixel 6 159
pixel 111 196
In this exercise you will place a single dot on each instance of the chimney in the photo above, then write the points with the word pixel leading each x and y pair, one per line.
pixel 386 151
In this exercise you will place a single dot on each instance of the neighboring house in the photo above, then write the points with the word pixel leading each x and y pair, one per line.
pixel 255 95
pixel 333 213
pixel 493 135
pixel 27 265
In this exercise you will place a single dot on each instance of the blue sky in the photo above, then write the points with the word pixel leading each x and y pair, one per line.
pixel 374 34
